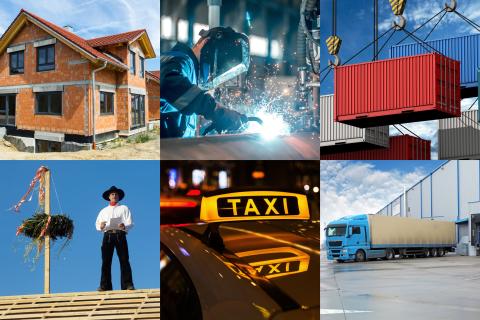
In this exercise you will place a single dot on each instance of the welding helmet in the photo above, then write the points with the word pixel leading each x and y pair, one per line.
pixel 225 55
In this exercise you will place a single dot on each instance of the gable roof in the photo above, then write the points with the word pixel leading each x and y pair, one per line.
pixel 155 75
pixel 126 37
pixel 116 38
pixel 72 40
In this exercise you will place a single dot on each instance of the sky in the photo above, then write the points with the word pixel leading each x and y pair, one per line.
pixel 79 185
pixel 93 18
pixel 363 187
pixel 355 28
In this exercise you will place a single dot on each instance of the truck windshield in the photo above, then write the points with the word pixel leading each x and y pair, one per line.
pixel 336 231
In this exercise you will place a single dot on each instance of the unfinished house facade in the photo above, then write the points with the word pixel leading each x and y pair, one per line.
pixel 60 92
pixel 153 93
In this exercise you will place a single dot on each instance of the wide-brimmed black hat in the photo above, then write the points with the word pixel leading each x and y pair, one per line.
pixel 120 192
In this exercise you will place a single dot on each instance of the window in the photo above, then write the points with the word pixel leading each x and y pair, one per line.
pixel 142 67
pixel 355 230
pixel 46 58
pixel 178 291
pixel 138 111
pixel 16 62
pixel 7 109
pixel 132 62
pixel 106 103
pixel 49 103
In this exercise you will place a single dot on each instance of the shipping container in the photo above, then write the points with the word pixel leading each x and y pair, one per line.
pixel 336 136
pixel 403 147
pixel 464 49
pixel 459 138
pixel 409 89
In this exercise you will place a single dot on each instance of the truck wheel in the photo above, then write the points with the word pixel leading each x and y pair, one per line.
pixel 434 252
pixel 360 256
pixel 340 261
pixel 389 255
pixel 427 253
pixel 441 252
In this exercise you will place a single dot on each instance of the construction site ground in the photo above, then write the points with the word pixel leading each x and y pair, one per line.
pixel 129 151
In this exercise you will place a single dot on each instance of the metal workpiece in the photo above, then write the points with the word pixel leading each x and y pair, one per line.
pixel 339 136
pixel 459 138
pixel 300 146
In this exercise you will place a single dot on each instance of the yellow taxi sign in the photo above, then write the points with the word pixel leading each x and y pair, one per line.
pixel 293 262
pixel 254 205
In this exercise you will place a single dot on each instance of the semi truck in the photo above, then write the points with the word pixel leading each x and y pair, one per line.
pixel 371 236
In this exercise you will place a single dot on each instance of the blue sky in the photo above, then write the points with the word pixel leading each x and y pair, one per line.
pixel 79 185
pixel 355 27
pixel 93 18
pixel 355 187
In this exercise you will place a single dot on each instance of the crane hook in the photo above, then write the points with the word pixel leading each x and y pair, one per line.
pixel 400 25
pixel 452 6
pixel 335 63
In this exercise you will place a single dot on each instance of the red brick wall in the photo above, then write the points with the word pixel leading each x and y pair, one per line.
pixel 153 92
pixel 75 118
pixel 73 109
pixel 63 54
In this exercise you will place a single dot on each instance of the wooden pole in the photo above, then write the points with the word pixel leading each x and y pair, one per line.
pixel 47 238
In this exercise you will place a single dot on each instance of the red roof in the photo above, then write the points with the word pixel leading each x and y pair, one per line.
pixel 116 38
pixel 155 74
pixel 80 42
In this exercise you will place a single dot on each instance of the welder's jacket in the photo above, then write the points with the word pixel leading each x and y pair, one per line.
pixel 181 99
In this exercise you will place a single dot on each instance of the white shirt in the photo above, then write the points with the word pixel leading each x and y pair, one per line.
pixel 120 212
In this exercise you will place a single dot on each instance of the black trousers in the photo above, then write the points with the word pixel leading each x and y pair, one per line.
pixel 110 242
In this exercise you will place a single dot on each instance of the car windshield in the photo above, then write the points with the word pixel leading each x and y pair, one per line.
pixel 336 231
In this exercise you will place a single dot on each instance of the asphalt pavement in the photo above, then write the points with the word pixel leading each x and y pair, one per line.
pixel 409 289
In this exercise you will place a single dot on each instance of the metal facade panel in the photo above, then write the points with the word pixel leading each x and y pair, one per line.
pixel 469 185
pixel 464 49
pixel 444 192
pixel 396 207
pixel 426 199
pixel 407 89
pixel 334 133
pixel 413 202
pixel 401 148
pixel 459 138
pixel 410 231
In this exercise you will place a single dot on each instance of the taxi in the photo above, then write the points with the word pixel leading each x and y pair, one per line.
pixel 251 254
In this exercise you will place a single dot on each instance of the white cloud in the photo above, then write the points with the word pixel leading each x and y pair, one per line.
pixel 349 187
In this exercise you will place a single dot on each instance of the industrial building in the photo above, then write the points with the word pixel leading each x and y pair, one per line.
pixel 281 86
pixel 451 193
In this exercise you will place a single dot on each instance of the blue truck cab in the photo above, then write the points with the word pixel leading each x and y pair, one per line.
pixel 348 239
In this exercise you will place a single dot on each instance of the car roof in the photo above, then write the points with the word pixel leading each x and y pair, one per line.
pixel 280 257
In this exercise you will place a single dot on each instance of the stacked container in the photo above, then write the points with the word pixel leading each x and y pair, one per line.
pixel 464 49
pixel 459 138
pixel 401 148
pixel 409 89
pixel 336 136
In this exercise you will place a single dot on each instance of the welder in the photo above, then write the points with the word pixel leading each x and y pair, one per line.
pixel 186 76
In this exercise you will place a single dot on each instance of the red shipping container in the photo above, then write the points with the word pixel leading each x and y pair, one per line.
pixel 401 148
pixel 409 89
